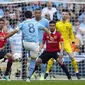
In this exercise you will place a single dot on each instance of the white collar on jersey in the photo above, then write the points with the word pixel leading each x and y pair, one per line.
pixel 1 30
pixel 28 19
pixel 53 32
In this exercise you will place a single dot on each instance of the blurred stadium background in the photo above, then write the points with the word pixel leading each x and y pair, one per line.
pixel 12 11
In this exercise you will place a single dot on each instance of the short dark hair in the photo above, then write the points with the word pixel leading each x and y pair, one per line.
pixel 60 5
pixel 52 22
pixel 6 10
pixel 65 10
pixel 1 19
pixel 28 14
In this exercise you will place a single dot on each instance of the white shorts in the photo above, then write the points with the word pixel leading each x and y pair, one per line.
pixel 17 56
pixel 32 47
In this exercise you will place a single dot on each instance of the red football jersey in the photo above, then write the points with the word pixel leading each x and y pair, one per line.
pixel 52 46
pixel 2 42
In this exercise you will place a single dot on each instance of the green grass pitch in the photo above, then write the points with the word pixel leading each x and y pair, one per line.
pixel 48 82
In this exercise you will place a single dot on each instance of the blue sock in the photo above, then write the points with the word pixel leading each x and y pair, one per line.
pixel 43 68
pixel 31 67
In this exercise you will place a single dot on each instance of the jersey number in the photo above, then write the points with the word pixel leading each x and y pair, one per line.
pixel 31 28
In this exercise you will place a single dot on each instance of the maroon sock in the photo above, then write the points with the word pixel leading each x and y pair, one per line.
pixel 8 68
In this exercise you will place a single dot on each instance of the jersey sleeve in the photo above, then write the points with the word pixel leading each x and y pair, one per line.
pixel 19 26
pixel 40 26
pixel 47 24
pixel 71 34
pixel 60 38
pixel 6 38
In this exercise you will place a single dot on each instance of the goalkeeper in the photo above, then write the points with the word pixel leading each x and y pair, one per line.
pixel 65 28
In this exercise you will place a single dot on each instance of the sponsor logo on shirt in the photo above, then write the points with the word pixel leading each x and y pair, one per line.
pixel 49 41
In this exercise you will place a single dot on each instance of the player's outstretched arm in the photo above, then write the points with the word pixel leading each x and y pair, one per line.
pixel 41 46
pixel 47 31
pixel 11 34
pixel 3 47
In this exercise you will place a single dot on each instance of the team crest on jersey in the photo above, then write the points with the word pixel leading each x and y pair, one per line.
pixel 55 37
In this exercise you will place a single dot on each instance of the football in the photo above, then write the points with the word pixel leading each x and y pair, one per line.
pixel 16 56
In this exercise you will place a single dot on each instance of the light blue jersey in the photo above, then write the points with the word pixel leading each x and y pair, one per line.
pixel 45 23
pixel 30 29
pixel 16 42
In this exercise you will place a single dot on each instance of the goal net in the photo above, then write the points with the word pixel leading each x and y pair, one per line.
pixel 13 10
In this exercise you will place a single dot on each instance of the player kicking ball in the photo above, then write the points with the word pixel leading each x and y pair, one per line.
pixel 30 29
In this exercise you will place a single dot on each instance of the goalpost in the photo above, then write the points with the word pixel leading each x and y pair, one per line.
pixel 12 11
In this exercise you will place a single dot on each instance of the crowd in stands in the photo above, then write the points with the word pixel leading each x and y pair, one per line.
pixel 13 14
